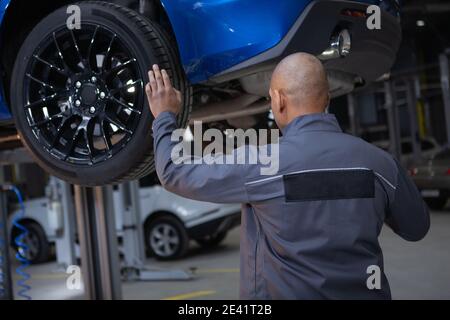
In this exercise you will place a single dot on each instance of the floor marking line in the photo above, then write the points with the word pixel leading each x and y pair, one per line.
pixel 195 294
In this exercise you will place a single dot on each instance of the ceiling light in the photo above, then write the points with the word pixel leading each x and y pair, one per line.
pixel 420 23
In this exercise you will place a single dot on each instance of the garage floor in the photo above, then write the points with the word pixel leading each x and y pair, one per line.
pixel 415 270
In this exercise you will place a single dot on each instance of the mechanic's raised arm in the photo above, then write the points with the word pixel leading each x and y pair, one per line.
pixel 212 183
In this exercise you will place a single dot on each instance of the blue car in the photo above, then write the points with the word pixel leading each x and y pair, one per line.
pixel 73 74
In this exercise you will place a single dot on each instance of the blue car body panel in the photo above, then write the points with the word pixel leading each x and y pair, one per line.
pixel 5 115
pixel 214 35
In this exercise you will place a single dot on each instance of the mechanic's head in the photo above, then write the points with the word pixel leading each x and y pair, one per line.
pixel 299 87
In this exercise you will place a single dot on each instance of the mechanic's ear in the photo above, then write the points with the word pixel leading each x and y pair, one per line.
pixel 276 101
pixel 282 102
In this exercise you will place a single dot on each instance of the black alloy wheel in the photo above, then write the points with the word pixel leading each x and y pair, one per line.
pixel 78 96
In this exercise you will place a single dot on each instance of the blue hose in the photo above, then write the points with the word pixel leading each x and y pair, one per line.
pixel 22 248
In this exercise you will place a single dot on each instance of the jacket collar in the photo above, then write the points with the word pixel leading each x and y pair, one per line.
pixel 312 122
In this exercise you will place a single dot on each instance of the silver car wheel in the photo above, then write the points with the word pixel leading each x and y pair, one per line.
pixel 164 240
pixel 31 242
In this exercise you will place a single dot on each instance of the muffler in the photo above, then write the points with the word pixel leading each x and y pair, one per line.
pixel 340 46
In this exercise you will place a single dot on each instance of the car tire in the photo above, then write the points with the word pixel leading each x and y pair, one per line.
pixel 213 240
pixel 436 204
pixel 36 242
pixel 63 123
pixel 166 238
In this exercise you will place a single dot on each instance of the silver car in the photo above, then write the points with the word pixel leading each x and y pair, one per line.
pixel 169 223
pixel 433 179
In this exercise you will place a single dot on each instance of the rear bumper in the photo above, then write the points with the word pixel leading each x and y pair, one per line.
pixel 373 51
pixel 432 183
pixel 215 226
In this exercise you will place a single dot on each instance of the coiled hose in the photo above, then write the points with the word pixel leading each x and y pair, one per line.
pixel 22 248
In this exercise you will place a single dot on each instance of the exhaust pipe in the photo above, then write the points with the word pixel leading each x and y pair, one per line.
pixel 340 46
pixel 242 106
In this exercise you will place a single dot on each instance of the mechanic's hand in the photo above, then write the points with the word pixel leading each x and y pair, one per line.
pixel 162 96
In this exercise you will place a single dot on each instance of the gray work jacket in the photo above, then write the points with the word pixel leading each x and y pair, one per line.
pixel 311 231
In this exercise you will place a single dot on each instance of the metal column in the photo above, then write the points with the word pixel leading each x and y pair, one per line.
pixel 445 83
pixel 413 125
pixel 98 243
pixel 6 290
pixel 61 192
pixel 133 239
pixel 353 114
pixel 392 115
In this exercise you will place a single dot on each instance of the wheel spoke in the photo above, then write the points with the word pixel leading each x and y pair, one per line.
pixel 126 87
pixel 71 143
pixel 167 248
pixel 119 67
pixel 51 66
pixel 44 84
pixel 88 143
pixel 77 49
pixel 117 123
pixel 166 231
pixel 123 104
pixel 108 51
pixel 157 235
pixel 44 100
pixel 47 120
pixel 60 54
pixel 59 132
pixel 91 46
pixel 106 138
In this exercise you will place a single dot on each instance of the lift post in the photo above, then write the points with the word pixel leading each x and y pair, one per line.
pixel 6 290
pixel 133 267
pixel 411 98
pixel 445 84
pixel 61 192
pixel 98 243
pixel 393 119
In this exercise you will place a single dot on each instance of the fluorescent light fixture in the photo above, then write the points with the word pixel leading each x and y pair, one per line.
pixel 420 23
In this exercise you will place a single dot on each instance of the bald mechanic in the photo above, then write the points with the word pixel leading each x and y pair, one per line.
pixel 310 232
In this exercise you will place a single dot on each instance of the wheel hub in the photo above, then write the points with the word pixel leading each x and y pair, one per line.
pixel 89 94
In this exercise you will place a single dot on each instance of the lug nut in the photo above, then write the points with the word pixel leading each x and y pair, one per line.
pixel 92 110
pixel 77 103
pixel 94 79
pixel 102 95
pixel 78 84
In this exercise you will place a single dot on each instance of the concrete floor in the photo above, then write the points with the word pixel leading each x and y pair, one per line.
pixel 415 270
